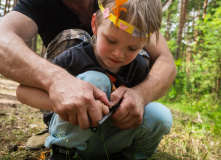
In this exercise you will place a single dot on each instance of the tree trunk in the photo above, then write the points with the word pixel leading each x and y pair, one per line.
pixel 168 26
pixel 6 5
pixel 15 2
pixel 9 6
pixel 205 7
pixel 198 17
pixel 218 81
pixel 188 52
pixel 182 20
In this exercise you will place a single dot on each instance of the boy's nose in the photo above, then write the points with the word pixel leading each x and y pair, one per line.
pixel 118 53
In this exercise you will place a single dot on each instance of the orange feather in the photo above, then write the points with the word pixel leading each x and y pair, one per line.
pixel 117 8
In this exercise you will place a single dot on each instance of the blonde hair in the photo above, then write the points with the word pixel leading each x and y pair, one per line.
pixel 144 14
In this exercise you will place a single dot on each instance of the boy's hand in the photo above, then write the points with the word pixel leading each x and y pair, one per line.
pixel 77 101
pixel 130 113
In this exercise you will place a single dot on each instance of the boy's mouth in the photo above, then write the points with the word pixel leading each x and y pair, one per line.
pixel 114 61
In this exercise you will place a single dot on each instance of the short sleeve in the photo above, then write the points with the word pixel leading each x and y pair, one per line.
pixel 37 10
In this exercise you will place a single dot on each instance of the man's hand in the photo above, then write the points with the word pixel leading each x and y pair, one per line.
pixel 130 113
pixel 78 101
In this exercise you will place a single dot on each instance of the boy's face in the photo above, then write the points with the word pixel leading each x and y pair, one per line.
pixel 114 47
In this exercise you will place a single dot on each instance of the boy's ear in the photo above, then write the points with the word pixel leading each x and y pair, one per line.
pixel 94 24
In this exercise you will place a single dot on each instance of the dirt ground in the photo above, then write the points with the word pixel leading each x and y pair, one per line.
pixel 17 123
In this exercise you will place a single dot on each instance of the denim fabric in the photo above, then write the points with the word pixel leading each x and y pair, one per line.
pixel 138 143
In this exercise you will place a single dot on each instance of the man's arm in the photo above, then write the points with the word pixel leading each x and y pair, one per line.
pixel 39 99
pixel 157 83
pixel 67 93
pixel 162 73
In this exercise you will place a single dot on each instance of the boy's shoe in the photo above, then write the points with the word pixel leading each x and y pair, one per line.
pixel 37 141
pixel 62 153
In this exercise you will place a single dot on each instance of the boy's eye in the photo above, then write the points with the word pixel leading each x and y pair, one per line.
pixel 132 49
pixel 110 41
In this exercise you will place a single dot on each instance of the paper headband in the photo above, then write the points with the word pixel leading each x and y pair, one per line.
pixel 129 28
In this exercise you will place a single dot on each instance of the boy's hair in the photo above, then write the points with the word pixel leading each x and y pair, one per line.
pixel 144 14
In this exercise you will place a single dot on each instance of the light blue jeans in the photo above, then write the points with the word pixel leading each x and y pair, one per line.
pixel 138 143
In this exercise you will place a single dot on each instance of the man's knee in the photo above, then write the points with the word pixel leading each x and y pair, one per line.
pixel 157 117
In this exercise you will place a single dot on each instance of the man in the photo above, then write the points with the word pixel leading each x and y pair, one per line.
pixel 71 98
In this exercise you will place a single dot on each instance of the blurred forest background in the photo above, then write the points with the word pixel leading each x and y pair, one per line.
pixel 192 29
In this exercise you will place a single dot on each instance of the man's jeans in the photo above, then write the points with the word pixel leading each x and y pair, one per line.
pixel 138 143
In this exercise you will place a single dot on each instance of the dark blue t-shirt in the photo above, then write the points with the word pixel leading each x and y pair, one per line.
pixel 81 58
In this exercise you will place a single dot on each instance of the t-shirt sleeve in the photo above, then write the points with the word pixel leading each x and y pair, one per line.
pixel 37 10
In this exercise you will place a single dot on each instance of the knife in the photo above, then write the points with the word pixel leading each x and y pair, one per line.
pixel 112 110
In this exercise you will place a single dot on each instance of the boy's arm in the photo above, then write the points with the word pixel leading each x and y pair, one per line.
pixel 158 81
pixel 34 97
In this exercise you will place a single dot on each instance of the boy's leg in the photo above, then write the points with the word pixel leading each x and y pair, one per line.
pixel 137 143
pixel 63 41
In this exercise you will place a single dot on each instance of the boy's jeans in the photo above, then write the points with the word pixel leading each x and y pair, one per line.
pixel 138 143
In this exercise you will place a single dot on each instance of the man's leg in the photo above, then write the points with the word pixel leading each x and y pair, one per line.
pixel 157 122
pixel 64 134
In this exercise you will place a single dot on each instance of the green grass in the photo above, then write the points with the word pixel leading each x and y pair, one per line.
pixel 195 133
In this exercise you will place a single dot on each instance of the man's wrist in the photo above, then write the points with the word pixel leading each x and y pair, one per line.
pixel 57 75
pixel 145 90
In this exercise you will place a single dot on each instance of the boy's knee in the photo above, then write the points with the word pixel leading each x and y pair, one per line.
pixel 100 80
pixel 157 117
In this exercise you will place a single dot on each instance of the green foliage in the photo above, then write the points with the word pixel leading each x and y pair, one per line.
pixel 197 85
pixel 172 45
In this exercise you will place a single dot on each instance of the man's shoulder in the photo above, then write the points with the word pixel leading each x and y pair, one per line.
pixel 34 9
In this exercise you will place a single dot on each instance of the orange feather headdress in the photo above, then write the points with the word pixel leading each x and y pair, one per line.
pixel 117 8
pixel 129 28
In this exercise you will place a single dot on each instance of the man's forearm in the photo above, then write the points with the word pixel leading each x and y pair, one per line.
pixel 159 79
pixel 20 64
pixel 162 73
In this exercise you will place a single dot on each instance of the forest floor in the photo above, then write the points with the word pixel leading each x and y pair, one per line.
pixel 187 140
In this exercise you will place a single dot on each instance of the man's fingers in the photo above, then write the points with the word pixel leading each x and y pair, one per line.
pixel 117 95
pixel 96 112
pixel 105 109
pixel 100 95
pixel 84 121
pixel 127 123
pixel 73 119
